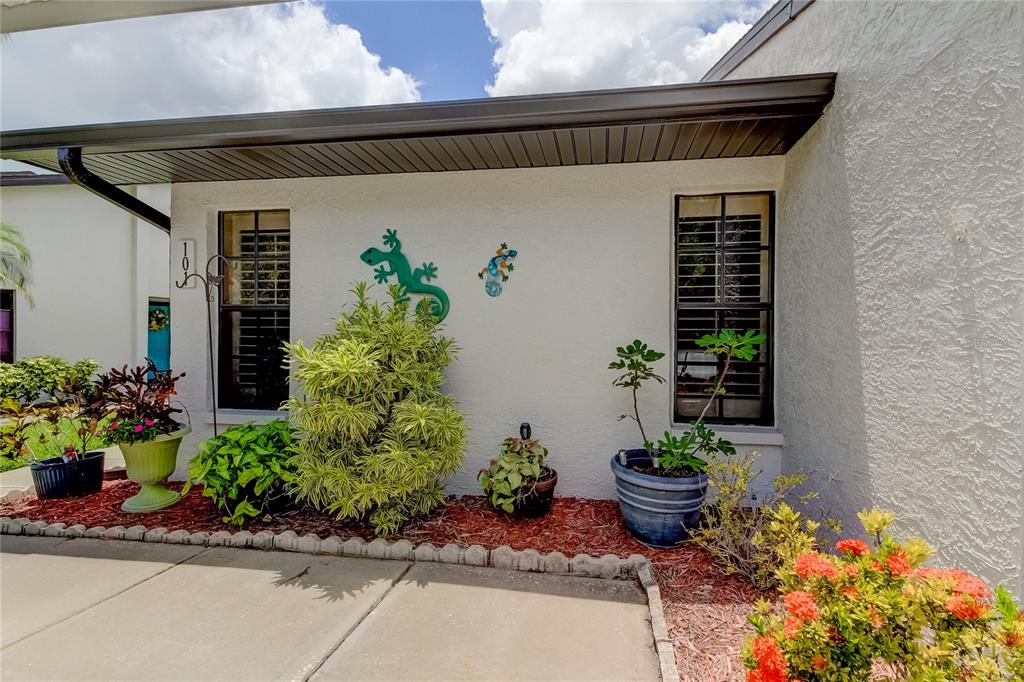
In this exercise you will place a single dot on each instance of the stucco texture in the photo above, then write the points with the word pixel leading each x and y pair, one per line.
pixel 900 270
pixel 593 272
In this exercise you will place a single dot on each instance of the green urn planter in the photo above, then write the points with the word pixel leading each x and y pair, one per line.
pixel 149 464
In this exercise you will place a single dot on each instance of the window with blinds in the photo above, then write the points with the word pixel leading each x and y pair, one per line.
pixel 723 246
pixel 254 309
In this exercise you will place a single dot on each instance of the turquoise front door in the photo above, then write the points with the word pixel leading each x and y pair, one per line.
pixel 159 336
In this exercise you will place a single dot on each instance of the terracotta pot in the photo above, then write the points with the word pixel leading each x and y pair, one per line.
pixel 537 502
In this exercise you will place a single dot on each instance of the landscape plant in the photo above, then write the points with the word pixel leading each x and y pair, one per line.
pixel 872 609
pixel 37 378
pixel 375 437
pixel 751 535
pixel 140 402
pixel 63 425
pixel 686 454
pixel 511 478
pixel 244 470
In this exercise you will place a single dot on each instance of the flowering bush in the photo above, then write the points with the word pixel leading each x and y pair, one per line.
pixel 872 608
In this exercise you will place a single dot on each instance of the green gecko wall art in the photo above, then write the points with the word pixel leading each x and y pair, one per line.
pixel 394 263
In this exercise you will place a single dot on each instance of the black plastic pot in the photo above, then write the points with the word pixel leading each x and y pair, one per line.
pixel 537 502
pixel 55 478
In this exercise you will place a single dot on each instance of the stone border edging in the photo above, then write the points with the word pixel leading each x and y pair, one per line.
pixel 609 566
pixel 662 644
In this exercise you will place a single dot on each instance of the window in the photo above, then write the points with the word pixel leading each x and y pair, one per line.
pixel 6 325
pixel 254 309
pixel 723 280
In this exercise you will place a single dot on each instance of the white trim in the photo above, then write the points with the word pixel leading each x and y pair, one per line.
pixel 235 417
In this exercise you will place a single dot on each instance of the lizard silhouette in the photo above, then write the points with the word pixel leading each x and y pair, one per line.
pixel 394 263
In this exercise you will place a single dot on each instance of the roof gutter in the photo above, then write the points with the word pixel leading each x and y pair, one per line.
pixel 70 159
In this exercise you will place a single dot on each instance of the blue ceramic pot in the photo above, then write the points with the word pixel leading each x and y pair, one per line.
pixel 659 511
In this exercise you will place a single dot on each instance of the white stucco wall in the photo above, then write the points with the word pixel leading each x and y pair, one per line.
pixel 94 266
pixel 900 269
pixel 593 272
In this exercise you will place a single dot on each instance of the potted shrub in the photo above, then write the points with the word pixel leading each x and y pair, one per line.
pixel 64 425
pixel 145 428
pixel 661 487
pixel 518 482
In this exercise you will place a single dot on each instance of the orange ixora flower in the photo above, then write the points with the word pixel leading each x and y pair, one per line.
pixel 897 563
pixel 791 628
pixel 771 664
pixel 963 582
pixel 819 663
pixel 850 592
pixel 876 620
pixel 965 607
pixel 801 605
pixel 854 547
pixel 812 564
pixel 851 570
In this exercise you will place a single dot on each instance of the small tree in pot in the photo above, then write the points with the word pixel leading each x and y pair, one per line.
pixel 661 488
pixel 145 428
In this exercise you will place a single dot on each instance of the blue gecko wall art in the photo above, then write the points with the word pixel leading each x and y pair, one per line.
pixel 496 272
pixel 394 263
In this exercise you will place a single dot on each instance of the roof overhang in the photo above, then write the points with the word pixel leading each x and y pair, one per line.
pixel 30 15
pixel 737 118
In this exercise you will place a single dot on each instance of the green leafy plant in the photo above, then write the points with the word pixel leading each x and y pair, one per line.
pixel 15 262
pixel 245 469
pixel 37 378
pixel 750 536
pixel 375 436
pixel 515 473
pixel 685 454
pixel 634 363
pixel 679 453
pixel 64 425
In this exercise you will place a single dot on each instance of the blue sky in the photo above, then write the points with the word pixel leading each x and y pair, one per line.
pixel 309 54
pixel 445 44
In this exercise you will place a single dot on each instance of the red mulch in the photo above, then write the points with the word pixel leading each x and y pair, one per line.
pixel 705 609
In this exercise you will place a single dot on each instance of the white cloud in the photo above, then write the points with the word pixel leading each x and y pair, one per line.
pixel 265 58
pixel 549 46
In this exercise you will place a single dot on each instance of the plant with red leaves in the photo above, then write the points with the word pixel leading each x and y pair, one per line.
pixel 140 402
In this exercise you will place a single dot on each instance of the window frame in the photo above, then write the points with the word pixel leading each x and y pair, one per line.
pixel 767 418
pixel 14 325
pixel 224 368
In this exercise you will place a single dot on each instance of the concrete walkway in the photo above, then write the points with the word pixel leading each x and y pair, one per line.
pixel 94 609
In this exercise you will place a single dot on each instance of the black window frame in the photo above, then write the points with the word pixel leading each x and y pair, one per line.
pixel 721 307
pixel 14 323
pixel 227 389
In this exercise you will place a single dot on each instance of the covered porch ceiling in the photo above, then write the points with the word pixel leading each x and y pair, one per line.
pixel 724 119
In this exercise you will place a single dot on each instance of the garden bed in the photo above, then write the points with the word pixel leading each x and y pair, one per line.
pixel 706 610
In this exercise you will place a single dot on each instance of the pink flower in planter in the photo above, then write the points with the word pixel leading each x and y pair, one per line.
pixel 149 422
pixel 138 428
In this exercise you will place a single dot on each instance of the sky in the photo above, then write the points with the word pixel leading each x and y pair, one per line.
pixel 314 54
